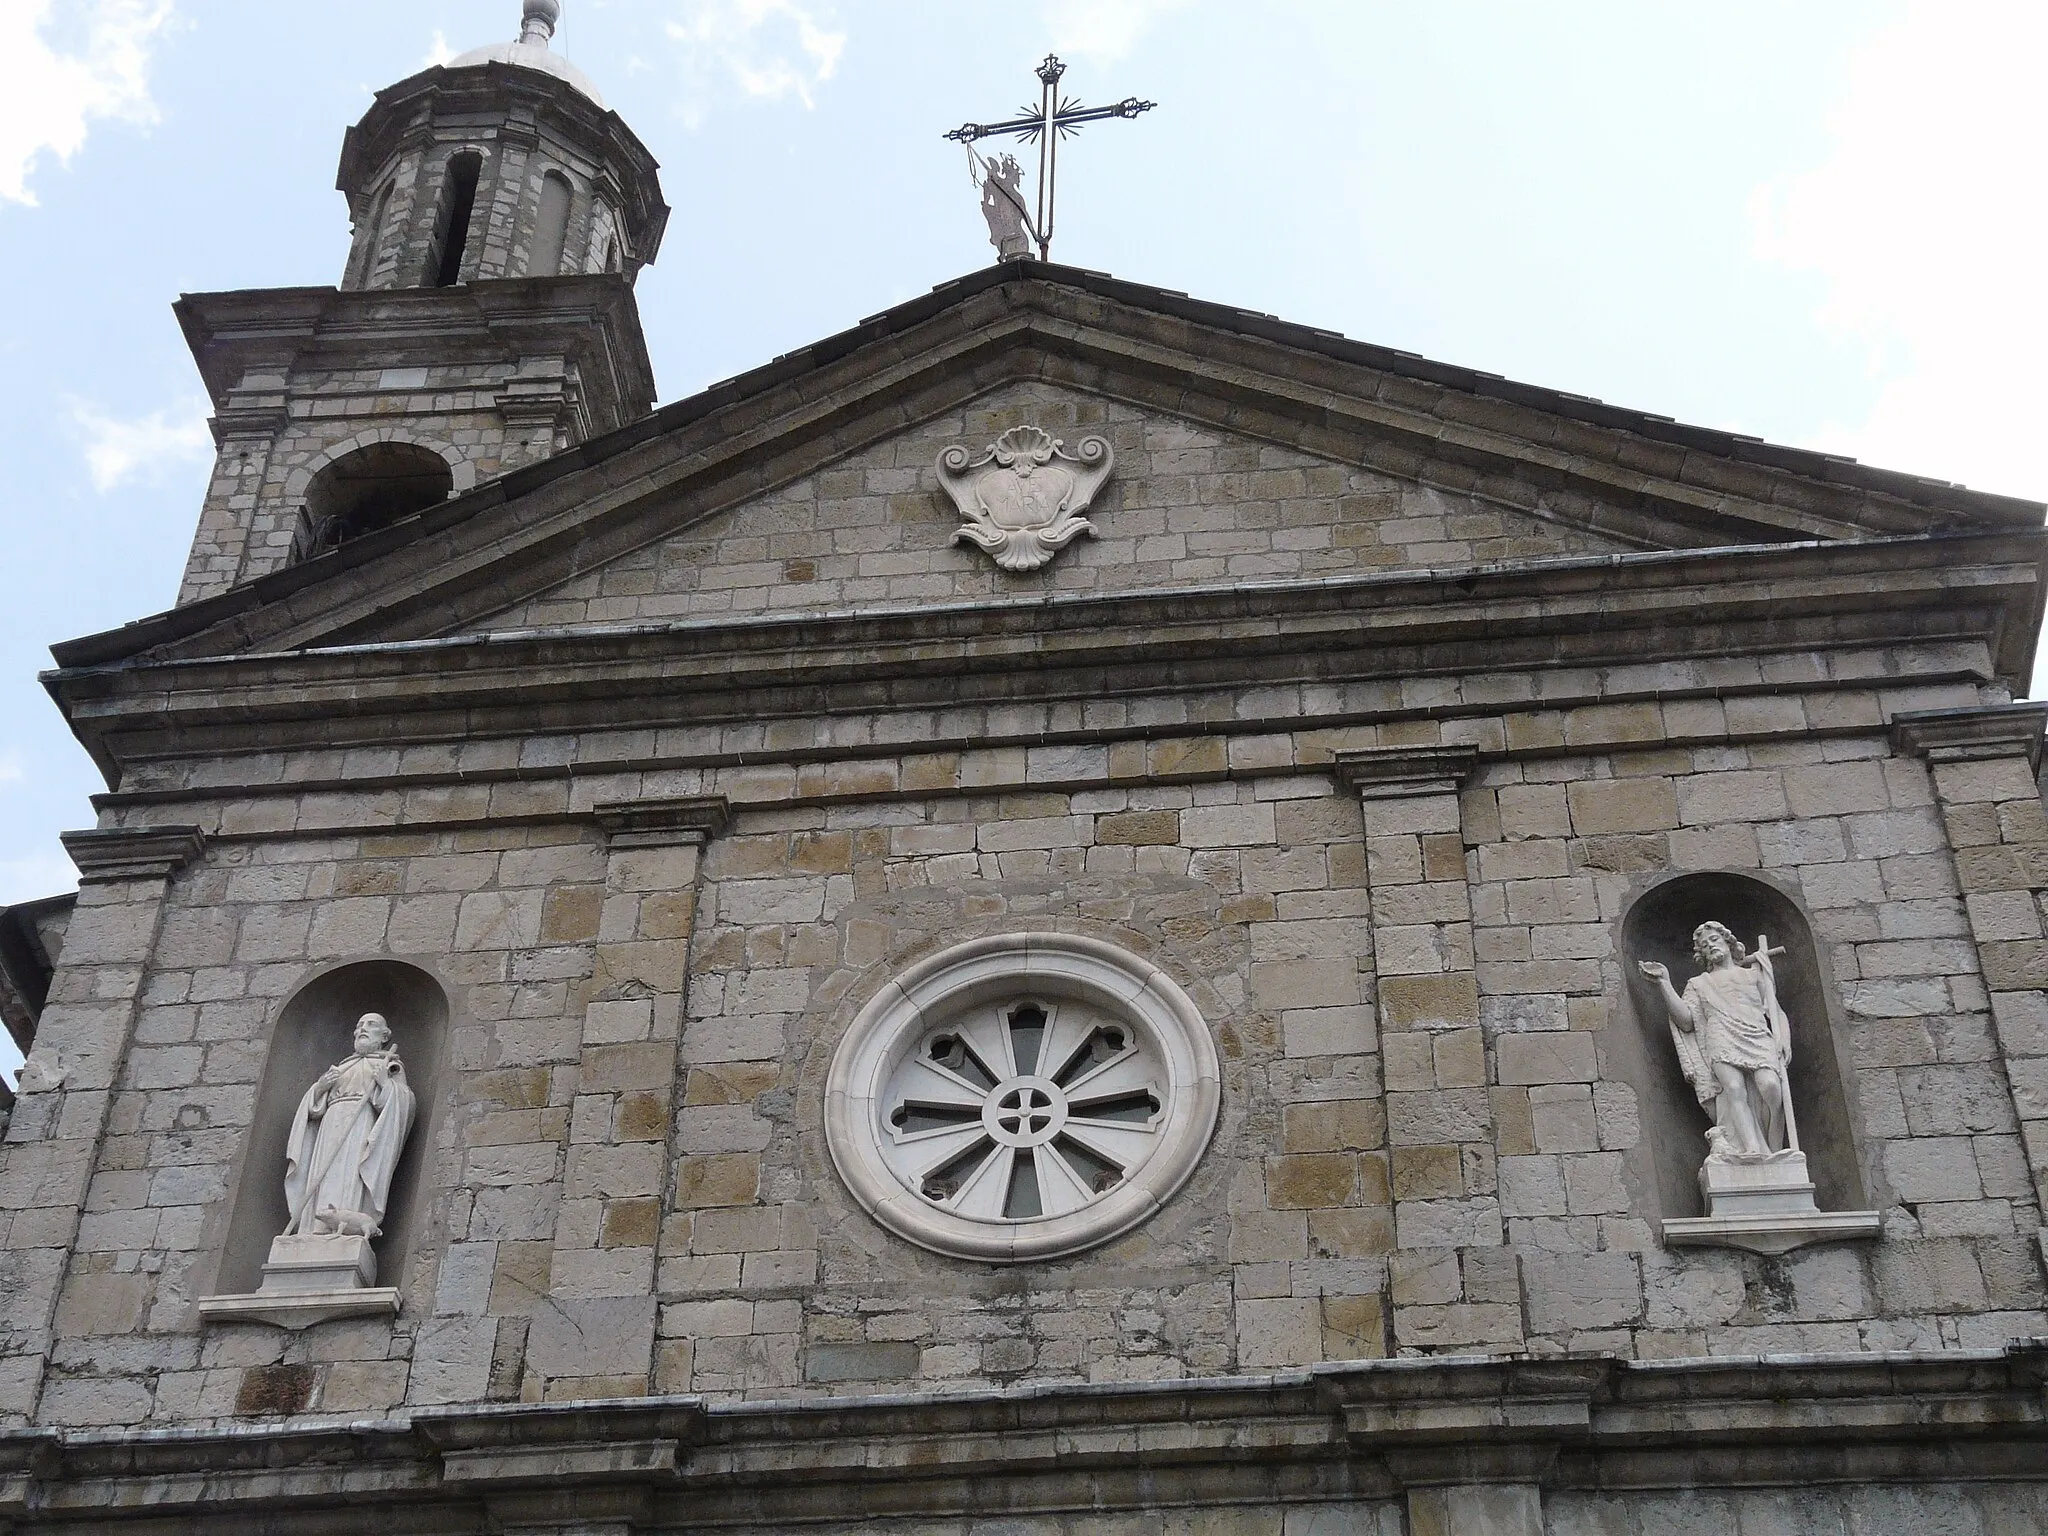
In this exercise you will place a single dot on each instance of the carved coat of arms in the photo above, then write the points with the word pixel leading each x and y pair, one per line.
pixel 1022 497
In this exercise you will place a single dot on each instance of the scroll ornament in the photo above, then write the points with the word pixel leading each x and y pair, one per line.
pixel 1022 497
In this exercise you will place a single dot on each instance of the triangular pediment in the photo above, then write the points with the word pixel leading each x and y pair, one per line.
pixel 1250 451
pixel 1185 505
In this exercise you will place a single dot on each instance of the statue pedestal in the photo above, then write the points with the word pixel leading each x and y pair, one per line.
pixel 1765 1207
pixel 319 1262
pixel 309 1279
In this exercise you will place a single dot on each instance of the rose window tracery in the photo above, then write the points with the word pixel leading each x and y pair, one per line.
pixel 1032 1109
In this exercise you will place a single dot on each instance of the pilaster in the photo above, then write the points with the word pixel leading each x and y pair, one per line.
pixel 595 1337
pixel 1454 1285
pixel 1984 764
pixel 67 1085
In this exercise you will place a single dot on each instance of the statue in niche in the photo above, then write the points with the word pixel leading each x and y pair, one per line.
pixel 1734 1043
pixel 345 1139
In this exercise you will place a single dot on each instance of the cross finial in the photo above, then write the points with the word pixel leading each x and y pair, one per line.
pixel 537 21
pixel 1056 117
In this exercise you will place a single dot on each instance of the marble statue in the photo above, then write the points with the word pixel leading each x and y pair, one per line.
pixel 1735 1043
pixel 345 1139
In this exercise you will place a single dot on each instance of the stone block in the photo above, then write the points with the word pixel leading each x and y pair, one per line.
pixel 1623 805
pixel 1494 1510
pixel 1263 1236
pixel 1459 1058
pixel 611 1336
pixel 1355 1232
pixel 1307 1180
pixel 1354 1327
pixel 1448 1223
pixel 1305 984
pixel 888 1361
pixel 718 1179
pixel 1138 828
pixel 1346 1031
pixel 1929 1168
pixel 101 1304
pixel 1433 1002
pixel 1410 1062
pixel 1446 1115
pixel 1334 1125
pixel 1531 1186
pixel 1526 1060
pixel 1569 1292
pixel 1425 1173
pixel 1277 1333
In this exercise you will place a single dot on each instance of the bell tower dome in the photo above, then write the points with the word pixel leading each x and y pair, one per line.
pixel 484 320
pixel 503 163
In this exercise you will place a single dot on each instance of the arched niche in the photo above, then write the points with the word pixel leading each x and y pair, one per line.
pixel 368 488
pixel 313 1031
pixel 1658 925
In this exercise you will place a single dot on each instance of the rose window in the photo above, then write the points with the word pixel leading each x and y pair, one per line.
pixel 1035 1109
pixel 1022 1097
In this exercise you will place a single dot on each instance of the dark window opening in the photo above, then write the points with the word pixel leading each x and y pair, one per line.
pixel 366 490
pixel 458 200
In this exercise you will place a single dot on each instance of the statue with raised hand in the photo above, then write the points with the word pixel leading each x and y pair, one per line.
pixel 1735 1044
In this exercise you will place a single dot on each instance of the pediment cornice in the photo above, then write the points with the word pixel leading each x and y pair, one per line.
pixel 1636 479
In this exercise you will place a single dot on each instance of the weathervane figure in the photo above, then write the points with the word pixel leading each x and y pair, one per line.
pixel 1002 203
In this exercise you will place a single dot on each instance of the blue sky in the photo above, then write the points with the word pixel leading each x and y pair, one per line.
pixel 1820 223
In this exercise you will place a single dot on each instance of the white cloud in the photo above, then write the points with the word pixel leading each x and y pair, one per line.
pixel 1103 30
pixel 438 51
pixel 51 95
pixel 1926 223
pixel 142 447
pixel 41 874
pixel 770 49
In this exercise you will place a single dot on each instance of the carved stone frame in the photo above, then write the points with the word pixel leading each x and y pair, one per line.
pixel 983 970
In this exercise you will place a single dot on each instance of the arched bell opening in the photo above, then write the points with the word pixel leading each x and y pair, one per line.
pixel 368 489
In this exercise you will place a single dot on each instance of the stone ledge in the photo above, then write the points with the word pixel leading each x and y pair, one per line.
pixel 300 1309
pixel 1375 773
pixel 120 853
pixel 1956 735
pixel 1770 1234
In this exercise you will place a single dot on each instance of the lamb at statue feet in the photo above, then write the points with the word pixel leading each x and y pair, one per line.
pixel 1734 1042
pixel 345 1139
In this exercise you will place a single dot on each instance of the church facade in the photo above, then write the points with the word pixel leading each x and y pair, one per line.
pixel 1072 910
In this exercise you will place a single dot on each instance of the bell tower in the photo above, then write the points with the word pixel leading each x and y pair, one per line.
pixel 485 317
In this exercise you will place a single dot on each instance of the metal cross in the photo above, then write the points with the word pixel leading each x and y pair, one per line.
pixel 1056 118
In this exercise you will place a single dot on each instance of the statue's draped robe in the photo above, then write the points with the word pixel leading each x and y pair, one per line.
pixel 345 1140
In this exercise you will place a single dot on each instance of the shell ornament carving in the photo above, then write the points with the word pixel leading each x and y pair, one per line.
pixel 1022 497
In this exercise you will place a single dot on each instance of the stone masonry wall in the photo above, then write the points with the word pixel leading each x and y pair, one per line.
pixel 627 1188
pixel 1185 506
pixel 258 486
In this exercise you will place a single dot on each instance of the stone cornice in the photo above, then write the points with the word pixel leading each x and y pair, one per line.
pixel 1953 735
pixel 118 853
pixel 663 823
pixel 1371 1429
pixel 1386 773
pixel 1379 631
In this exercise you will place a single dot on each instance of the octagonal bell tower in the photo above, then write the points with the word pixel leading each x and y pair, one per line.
pixel 485 317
